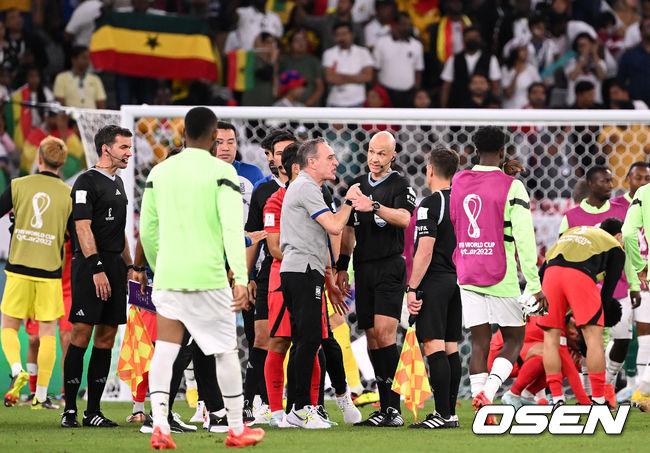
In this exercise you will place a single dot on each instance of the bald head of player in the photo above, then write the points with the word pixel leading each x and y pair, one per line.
pixel 381 154
pixel 200 129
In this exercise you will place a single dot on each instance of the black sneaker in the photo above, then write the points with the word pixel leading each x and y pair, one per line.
pixel 375 419
pixel 435 421
pixel 97 420
pixel 454 418
pixel 392 418
pixel 147 426
pixel 248 413
pixel 324 415
pixel 218 424
pixel 176 425
pixel 69 419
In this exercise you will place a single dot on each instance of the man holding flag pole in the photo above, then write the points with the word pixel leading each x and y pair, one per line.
pixel 433 295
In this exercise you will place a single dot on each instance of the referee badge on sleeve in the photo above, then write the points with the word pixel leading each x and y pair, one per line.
pixel 80 196
pixel 423 213
pixel 269 219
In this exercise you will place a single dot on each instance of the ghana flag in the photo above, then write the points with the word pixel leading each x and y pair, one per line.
pixel 149 45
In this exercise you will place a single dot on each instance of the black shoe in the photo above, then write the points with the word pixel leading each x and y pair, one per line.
pixel 177 426
pixel 558 404
pixel 375 419
pixel 147 426
pixel 392 418
pixel 69 419
pixel 248 413
pixel 97 420
pixel 435 421
pixel 218 424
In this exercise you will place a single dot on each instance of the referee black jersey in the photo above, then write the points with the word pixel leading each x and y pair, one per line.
pixel 376 238
pixel 433 222
pixel 101 198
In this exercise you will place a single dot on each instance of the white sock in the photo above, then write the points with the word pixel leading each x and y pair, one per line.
pixel 160 376
pixel 220 413
pixel 229 379
pixel 598 400
pixel 477 382
pixel 358 390
pixel 16 368
pixel 526 394
pixel 500 372
pixel 612 368
pixel 32 369
pixel 190 381
pixel 642 357
pixel 586 383
pixel 541 394
pixel 562 398
pixel 138 407
pixel 41 393
pixel 644 385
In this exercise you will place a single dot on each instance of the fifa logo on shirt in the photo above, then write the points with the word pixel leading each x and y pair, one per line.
pixel 472 205
pixel 563 420
pixel 110 215
pixel 40 203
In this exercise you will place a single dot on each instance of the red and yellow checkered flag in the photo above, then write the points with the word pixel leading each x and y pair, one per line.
pixel 411 378
pixel 137 351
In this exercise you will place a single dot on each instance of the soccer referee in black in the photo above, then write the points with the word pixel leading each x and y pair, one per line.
pixel 433 293
pixel 99 271
pixel 377 224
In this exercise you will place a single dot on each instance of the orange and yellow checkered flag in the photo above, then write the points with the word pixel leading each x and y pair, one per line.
pixel 411 378
pixel 137 351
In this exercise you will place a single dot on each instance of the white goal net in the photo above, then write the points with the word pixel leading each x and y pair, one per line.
pixel 555 146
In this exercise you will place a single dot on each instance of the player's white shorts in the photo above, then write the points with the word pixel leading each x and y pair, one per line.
pixel 207 316
pixel 623 329
pixel 642 312
pixel 481 309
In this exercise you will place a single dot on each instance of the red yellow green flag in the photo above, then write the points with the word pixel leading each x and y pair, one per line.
pixel 411 376
pixel 149 45
pixel 137 351
pixel 241 70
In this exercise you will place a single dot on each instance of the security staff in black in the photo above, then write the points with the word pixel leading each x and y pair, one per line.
pixel 100 266
pixel 381 214
pixel 433 295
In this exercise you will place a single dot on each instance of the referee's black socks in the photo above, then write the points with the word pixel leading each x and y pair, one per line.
pixel 440 378
pixel 254 374
pixel 73 368
pixel 455 372
pixel 98 368
pixel 385 361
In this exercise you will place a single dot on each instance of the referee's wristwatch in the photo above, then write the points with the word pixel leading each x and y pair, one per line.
pixel 375 206
pixel 411 290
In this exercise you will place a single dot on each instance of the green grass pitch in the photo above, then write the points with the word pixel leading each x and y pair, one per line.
pixel 24 430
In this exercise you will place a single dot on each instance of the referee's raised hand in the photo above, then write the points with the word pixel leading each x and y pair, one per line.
pixel 102 286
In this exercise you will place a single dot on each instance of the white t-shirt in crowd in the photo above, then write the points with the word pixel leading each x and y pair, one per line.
pixel 251 24
pixel 82 22
pixel 447 73
pixel 591 77
pixel 349 62
pixel 632 36
pixel 397 61
pixel 374 31
pixel 519 98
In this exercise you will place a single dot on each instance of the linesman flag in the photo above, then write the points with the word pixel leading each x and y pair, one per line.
pixel 149 45
pixel 411 376
pixel 137 351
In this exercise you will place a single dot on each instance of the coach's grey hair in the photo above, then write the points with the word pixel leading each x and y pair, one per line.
pixel 308 150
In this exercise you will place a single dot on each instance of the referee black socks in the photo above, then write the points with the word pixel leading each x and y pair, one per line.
pixel 98 368
pixel 73 368
pixel 440 377
pixel 455 372
pixel 254 373
pixel 385 361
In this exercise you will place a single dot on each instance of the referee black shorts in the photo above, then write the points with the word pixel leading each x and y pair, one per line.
pixel 440 317
pixel 86 306
pixel 379 289
pixel 262 298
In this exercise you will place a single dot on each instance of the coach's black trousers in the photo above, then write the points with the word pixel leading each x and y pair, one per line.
pixel 303 294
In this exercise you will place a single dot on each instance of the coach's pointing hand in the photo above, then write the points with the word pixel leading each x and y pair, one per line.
pixel 353 192
pixel 102 286
pixel 239 298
